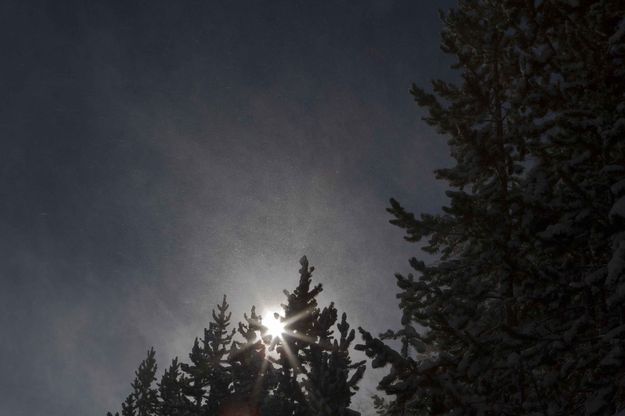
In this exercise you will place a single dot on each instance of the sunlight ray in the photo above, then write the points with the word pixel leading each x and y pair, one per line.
pixel 295 364
pixel 259 382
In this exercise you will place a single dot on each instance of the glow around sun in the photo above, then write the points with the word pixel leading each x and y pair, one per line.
pixel 275 328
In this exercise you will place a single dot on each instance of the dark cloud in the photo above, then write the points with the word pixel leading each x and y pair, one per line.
pixel 158 154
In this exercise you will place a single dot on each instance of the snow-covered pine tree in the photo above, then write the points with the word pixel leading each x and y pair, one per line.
pixel 523 313
pixel 208 378
pixel 456 312
pixel 573 68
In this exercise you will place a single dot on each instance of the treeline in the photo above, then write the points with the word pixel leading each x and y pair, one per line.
pixel 248 371
pixel 523 313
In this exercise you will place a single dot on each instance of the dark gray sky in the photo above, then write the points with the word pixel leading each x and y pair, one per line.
pixel 157 154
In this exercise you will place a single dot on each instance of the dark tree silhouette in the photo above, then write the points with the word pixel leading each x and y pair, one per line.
pixel 208 376
pixel 173 402
pixel 523 312
pixel 308 349
pixel 252 375
pixel 143 401
pixel 300 315
pixel 330 385
pixel 303 372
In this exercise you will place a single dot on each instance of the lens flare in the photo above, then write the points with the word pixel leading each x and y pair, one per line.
pixel 275 328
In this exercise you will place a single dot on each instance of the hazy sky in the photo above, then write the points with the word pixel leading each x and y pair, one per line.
pixel 158 154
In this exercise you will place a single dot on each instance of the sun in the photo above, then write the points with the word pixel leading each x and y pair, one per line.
pixel 275 328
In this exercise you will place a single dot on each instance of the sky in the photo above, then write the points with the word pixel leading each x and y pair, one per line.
pixel 156 155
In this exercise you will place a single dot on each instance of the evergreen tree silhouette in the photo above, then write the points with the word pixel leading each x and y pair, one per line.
pixel 252 373
pixel 331 382
pixel 145 395
pixel 143 401
pixel 300 314
pixel 172 402
pixel 305 371
pixel 521 313
pixel 208 375
pixel 314 369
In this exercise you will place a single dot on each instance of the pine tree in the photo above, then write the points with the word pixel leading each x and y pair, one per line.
pixel 196 379
pixel 208 378
pixel 172 400
pixel 300 313
pixel 314 373
pixel 143 401
pixel 252 373
pixel 331 382
pixel 466 300
pixel 575 117
pixel 521 314
pixel 128 406
pixel 304 372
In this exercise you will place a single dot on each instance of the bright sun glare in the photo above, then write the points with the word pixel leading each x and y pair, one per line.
pixel 274 326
